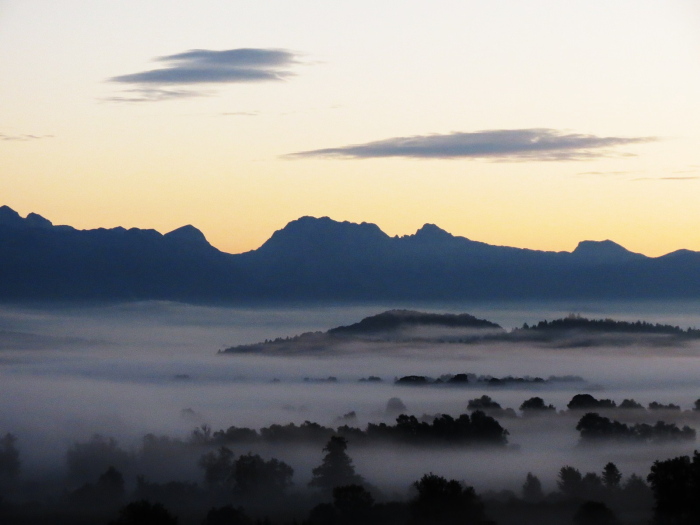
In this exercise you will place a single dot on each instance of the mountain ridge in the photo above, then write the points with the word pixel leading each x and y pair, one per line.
pixel 320 259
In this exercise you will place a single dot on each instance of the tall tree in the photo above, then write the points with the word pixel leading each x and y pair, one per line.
pixel 336 469
pixel 532 489
pixel 611 476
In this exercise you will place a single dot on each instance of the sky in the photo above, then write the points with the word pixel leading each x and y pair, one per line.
pixel 534 124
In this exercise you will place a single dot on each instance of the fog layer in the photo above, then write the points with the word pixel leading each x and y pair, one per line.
pixel 128 370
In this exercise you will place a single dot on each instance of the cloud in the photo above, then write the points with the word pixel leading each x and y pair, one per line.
pixel 666 178
pixel 23 138
pixel 498 145
pixel 154 95
pixel 199 67
pixel 605 173
pixel 241 114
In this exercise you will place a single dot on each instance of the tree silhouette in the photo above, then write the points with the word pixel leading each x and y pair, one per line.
pixel 592 486
pixel 443 502
pixel 676 486
pixel 218 467
pixel 588 402
pixel 253 476
pixel 532 489
pixel 611 476
pixel 88 460
pixel 9 459
pixel 336 469
pixel 570 481
pixel 110 486
pixel 536 406
pixel 483 403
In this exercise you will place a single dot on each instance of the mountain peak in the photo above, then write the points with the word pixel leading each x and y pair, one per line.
pixel 607 251
pixel 36 220
pixel 188 234
pixel 324 232
pixel 432 232
pixel 10 217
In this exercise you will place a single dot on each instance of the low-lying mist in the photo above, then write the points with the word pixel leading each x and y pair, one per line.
pixel 129 370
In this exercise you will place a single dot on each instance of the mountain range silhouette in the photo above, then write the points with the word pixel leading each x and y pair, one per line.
pixel 319 259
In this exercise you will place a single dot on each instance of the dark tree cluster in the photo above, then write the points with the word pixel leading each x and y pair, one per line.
pixel 475 429
pixel 588 402
pixel 465 429
pixel 594 428
pixel 249 475
pixel 536 406
pixel 469 379
pixel 490 407
pixel 676 486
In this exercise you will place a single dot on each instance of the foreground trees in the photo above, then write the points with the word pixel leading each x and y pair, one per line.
pixel 443 502
pixel 249 476
pixel 676 486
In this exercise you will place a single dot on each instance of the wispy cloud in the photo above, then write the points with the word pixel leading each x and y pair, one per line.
pixel 203 67
pixel 241 114
pixel 154 95
pixel 515 145
pixel 23 138
pixel 667 178
pixel 606 173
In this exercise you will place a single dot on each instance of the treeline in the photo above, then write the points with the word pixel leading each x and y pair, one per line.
pixel 577 322
pixel 479 427
pixel 476 428
pixel 595 428
pixel 469 379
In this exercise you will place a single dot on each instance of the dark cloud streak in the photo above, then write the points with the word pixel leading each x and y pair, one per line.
pixel 515 145
pixel 205 67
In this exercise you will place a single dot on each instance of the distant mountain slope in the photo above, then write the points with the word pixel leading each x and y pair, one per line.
pixel 320 259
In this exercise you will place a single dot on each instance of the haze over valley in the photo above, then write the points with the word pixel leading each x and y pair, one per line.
pixel 127 370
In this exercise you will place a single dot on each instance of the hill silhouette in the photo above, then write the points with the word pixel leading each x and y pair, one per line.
pixel 393 321
pixel 408 326
pixel 319 259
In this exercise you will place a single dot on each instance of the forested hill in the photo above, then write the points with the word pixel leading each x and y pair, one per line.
pixel 320 260
pixel 396 320
pixel 411 327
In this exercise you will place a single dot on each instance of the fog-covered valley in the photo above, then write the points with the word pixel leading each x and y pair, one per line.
pixel 125 371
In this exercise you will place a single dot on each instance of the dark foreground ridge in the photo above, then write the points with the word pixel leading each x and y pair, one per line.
pixel 319 260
